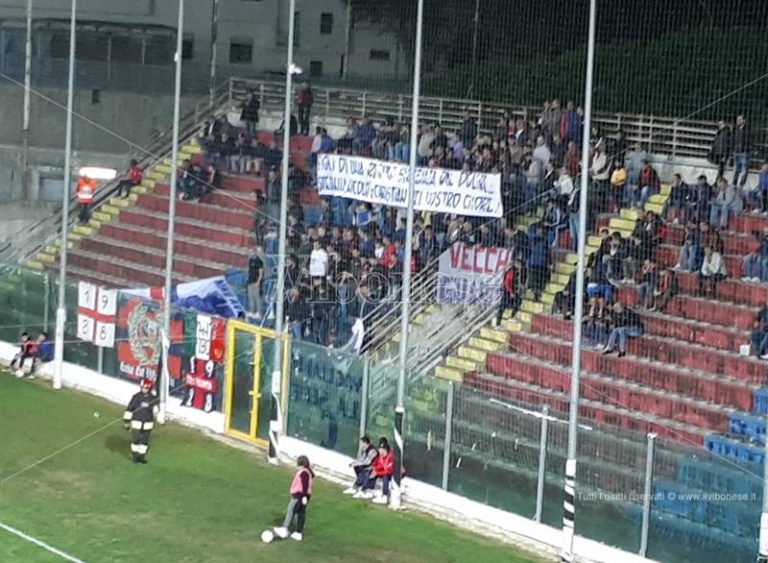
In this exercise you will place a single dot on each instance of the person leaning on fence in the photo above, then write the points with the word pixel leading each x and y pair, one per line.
pixel 366 455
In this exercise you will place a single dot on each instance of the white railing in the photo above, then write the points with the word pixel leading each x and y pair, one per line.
pixel 672 136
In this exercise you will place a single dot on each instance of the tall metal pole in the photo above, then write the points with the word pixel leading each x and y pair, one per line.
pixel 474 48
pixel 448 435
pixel 276 419
pixel 27 98
pixel 61 311
pixel 762 556
pixel 166 379
pixel 647 494
pixel 406 291
pixel 214 48
pixel 569 501
pixel 542 462
pixel 347 40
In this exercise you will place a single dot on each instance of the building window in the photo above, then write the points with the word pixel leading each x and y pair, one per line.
pixel 379 55
pixel 297 29
pixel 326 23
pixel 315 68
pixel 240 51
pixel 187 48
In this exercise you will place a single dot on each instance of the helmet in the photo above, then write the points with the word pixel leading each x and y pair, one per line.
pixel 147 382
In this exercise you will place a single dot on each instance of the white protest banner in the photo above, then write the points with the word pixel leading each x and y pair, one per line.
pixel 437 189
pixel 469 274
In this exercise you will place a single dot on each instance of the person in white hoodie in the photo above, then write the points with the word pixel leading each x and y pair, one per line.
pixel 712 271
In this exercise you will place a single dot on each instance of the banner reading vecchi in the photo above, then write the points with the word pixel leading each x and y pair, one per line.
pixel 471 273
pixel 437 189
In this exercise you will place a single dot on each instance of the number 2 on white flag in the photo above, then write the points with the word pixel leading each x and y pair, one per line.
pixel 85 325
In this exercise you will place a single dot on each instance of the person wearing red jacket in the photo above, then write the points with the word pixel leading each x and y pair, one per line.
pixel 649 183
pixel 86 190
pixel 383 468
pixel 511 283
pixel 133 178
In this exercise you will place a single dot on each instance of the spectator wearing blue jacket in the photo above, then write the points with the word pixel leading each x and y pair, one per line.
pixel 538 262
pixel 755 264
pixel 44 348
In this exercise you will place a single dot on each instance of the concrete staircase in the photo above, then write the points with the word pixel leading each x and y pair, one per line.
pixel 125 242
pixel 472 355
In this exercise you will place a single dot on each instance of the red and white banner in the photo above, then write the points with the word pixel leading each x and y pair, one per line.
pixel 96 310
pixel 469 274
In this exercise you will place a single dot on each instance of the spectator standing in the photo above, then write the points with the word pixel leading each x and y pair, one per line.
pixel 318 262
pixel 678 198
pixel 542 152
pixel 600 172
pixel 305 99
pixel 712 271
pixel 742 146
pixel 512 286
pixel 646 290
pixel 596 321
pixel 618 184
pixel 133 178
pixel 255 277
pixel 759 336
pixel 627 324
pixel 721 148
pixel 86 190
pixel 697 205
pixel 538 262
pixel 250 113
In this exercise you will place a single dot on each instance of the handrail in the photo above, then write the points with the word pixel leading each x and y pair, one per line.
pixel 30 240
pixel 673 136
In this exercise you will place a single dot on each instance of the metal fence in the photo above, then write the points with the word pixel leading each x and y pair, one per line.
pixel 462 437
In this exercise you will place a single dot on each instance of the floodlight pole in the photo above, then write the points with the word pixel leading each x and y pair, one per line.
pixel 569 501
pixel 27 97
pixel 168 290
pixel 214 50
pixel 406 289
pixel 276 419
pixel 61 311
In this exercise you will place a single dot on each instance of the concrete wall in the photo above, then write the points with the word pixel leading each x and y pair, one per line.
pixel 103 135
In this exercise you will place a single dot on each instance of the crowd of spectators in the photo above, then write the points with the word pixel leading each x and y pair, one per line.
pixel 346 257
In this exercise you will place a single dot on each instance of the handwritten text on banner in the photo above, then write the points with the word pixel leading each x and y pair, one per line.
pixel 437 189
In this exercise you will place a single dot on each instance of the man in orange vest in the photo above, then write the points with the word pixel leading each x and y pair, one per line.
pixel 86 189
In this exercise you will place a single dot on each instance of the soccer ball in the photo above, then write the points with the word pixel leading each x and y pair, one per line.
pixel 267 536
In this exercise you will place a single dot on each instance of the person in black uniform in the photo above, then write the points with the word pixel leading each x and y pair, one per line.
pixel 140 418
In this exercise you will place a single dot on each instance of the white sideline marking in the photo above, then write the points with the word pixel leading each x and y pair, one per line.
pixel 39 543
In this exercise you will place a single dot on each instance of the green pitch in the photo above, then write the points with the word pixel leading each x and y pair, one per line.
pixel 196 501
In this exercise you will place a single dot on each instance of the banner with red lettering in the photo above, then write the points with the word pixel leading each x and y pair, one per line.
pixel 470 274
